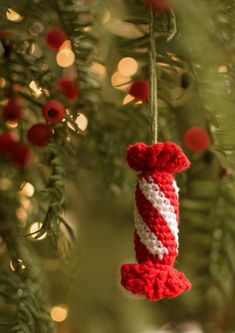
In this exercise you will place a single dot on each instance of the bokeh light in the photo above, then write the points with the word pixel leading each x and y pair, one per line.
pixel 34 229
pixel 98 69
pixel 66 45
pixel 27 189
pixel 120 81
pixel 82 122
pixel 13 16
pixel 22 215
pixel 35 89
pixel 223 69
pixel 65 58
pixel 163 64
pixel 17 265
pixel 2 82
pixel 106 17
pixel 59 313
pixel 12 124
pixel 127 99
pixel 127 66
pixel 25 203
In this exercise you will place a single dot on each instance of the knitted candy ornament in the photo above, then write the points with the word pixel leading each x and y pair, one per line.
pixel 156 222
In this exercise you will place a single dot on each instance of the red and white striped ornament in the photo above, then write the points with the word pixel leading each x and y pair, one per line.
pixel 156 222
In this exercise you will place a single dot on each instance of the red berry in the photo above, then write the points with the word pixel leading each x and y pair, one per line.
pixel 55 38
pixel 140 89
pixel 39 135
pixel 21 155
pixel 12 112
pixel 7 142
pixel 53 111
pixel 158 5
pixel 68 88
pixel 196 139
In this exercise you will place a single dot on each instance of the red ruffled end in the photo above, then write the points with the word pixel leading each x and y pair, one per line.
pixel 164 156
pixel 154 281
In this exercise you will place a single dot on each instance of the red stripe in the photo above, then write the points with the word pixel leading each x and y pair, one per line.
pixel 142 253
pixel 156 224
pixel 165 182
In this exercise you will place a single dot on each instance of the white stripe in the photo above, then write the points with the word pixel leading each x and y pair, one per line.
pixel 157 198
pixel 148 238
pixel 176 188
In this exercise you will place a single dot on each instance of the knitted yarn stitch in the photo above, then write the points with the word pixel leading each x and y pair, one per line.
pixel 156 222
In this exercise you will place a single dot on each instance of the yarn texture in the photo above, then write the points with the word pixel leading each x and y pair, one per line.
pixel 156 222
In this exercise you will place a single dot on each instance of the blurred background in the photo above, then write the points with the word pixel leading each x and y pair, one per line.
pixel 195 69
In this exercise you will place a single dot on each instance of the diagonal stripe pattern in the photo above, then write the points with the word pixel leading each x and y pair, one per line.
pixel 157 198
pixel 148 238
pixel 156 222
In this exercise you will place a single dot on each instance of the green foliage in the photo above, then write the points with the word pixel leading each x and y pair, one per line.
pixel 195 69
pixel 25 58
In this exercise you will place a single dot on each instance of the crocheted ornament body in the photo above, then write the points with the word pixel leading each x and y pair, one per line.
pixel 156 222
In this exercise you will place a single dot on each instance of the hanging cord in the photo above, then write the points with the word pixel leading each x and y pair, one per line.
pixel 153 80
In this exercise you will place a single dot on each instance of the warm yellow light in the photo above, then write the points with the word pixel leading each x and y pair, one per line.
pixel 65 58
pixel 59 313
pixel 87 29
pixel 21 214
pixel 82 122
pixel 163 64
pixel 127 99
pixel 2 82
pixel 223 69
pixel 66 45
pixel 127 66
pixel 12 124
pixel 34 229
pixel 25 203
pixel 98 69
pixel 106 17
pixel 175 58
pixel 13 15
pixel 33 48
pixel 17 265
pixel 27 189
pixel 4 102
pixel 120 81
pixel 35 89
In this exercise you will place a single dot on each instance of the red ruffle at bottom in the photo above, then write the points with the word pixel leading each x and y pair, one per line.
pixel 155 281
